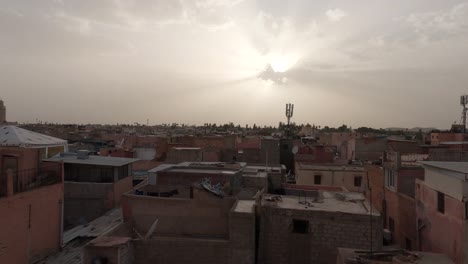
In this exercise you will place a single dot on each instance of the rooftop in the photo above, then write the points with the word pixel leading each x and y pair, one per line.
pixel 347 255
pixel 13 136
pixel 329 167
pixel 75 239
pixel 344 202
pixel 201 167
pixel 92 160
pixel 186 148
pixel 244 206
pixel 461 167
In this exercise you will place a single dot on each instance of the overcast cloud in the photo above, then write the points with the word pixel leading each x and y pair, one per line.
pixel 363 63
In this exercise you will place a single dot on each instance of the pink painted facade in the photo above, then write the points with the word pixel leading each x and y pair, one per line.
pixel 315 154
pixel 437 137
pixel 440 232
pixel 31 206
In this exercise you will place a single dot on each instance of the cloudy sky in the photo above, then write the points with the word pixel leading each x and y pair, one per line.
pixel 364 63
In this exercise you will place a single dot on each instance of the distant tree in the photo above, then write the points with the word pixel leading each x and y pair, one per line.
pixel 343 128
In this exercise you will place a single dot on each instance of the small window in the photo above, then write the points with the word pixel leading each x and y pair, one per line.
pixel 466 210
pixel 357 181
pixel 391 225
pixel 390 178
pixel 440 202
pixel 318 179
pixel 300 226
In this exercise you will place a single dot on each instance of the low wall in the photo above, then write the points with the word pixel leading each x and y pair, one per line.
pixel 181 250
pixel 31 224
pixel 178 217
pixel 86 201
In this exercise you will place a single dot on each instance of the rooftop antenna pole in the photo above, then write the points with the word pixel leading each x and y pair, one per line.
pixel 370 198
pixel 464 102
pixel 289 114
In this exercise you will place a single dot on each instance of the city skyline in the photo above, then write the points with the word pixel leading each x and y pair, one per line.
pixel 376 64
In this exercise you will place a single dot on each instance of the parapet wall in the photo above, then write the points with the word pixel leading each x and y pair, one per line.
pixel 179 217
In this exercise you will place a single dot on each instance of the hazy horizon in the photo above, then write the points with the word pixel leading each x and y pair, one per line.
pixel 376 64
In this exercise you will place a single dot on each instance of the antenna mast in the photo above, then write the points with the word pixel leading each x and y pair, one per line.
pixel 289 114
pixel 464 102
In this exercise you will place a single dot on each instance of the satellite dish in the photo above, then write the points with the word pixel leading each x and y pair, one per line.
pixel 295 149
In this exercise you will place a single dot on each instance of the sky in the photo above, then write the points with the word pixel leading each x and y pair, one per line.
pixel 362 63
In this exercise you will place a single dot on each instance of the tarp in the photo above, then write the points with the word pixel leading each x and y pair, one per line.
pixel 13 136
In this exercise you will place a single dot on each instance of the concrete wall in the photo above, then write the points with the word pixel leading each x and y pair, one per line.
pixel 230 181
pixel 27 158
pixel 270 151
pixel 85 202
pixel 376 183
pixel 253 181
pixel 406 179
pixel 242 237
pixel 402 209
pixel 332 178
pixel 114 249
pixel 327 232
pixel 182 155
pixel 441 232
pixel 370 148
pixel 145 153
pixel 448 182
pixel 179 217
pixel 120 187
pixel 31 224
pixel 173 250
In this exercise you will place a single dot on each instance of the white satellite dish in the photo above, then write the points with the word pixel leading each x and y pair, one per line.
pixel 295 149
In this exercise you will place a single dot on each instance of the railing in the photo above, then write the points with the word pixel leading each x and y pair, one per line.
pixel 26 180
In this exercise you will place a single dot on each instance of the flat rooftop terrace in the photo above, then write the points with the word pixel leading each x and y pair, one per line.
pixel 343 202
pixel 244 206
pixel 330 167
pixel 204 171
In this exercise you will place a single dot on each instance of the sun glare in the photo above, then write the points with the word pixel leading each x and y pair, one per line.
pixel 282 63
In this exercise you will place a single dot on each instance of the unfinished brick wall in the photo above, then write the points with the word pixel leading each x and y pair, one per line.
pixel 327 231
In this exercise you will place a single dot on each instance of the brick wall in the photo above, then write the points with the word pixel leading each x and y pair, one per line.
pixel 327 232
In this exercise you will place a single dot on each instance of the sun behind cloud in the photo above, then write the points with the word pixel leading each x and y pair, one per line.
pixel 283 62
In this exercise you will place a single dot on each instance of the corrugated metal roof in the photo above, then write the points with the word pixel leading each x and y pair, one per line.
pixel 93 160
pixel 448 165
pixel 13 136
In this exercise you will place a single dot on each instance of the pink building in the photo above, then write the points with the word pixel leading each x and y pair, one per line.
pixel 31 196
pixel 442 209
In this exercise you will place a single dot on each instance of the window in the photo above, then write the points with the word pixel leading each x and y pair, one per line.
pixel 390 178
pixel 466 210
pixel 440 202
pixel 300 226
pixel 391 225
pixel 318 179
pixel 357 181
